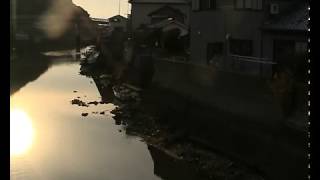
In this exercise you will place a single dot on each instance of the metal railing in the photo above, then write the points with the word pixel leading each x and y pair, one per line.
pixel 250 65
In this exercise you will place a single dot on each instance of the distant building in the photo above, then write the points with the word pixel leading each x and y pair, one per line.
pixel 246 35
pixel 119 23
pixel 100 21
pixel 146 12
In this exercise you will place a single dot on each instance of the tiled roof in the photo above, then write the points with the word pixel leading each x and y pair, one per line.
pixel 164 24
pixel 166 10
pixel 295 20
pixel 167 22
pixel 116 18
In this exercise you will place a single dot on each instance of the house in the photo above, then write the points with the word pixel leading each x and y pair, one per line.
pixel 244 35
pixel 146 12
pixel 285 37
pixel 118 23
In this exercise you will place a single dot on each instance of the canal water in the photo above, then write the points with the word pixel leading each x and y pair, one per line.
pixel 51 140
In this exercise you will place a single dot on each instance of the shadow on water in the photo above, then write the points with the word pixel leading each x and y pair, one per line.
pixel 25 69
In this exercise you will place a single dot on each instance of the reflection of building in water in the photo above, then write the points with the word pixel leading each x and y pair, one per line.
pixel 168 168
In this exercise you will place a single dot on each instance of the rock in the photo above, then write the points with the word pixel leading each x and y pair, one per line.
pixel 75 91
pixel 84 114
pixel 94 102
pixel 75 101
pixel 79 102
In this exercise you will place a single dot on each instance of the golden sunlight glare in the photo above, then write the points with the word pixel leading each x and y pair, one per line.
pixel 21 132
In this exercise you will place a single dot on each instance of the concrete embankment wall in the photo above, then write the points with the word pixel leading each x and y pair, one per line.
pixel 235 114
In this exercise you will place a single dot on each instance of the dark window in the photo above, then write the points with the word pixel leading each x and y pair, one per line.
pixel 207 4
pixel 257 4
pixel 239 4
pixel 214 50
pixel 241 47
pixel 248 4
pixel 195 5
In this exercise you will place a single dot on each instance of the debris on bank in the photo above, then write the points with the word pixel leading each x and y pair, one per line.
pixel 84 114
pixel 79 102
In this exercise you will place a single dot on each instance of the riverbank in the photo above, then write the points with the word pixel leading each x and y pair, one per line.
pixel 237 116
pixel 162 130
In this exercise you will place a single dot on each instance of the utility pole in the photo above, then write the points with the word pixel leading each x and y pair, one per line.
pixel 127 9
pixel 77 38
pixel 119 7
pixel 13 22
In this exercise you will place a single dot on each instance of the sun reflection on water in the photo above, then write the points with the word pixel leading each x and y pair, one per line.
pixel 21 132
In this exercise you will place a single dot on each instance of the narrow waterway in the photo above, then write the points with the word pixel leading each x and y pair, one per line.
pixel 50 139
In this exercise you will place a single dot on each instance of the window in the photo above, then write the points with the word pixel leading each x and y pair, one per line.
pixel 207 4
pixel 195 5
pixel 248 4
pixel 212 4
pixel 257 4
pixel 241 47
pixel 239 4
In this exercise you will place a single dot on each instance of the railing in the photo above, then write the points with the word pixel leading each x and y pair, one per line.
pixel 253 59
pixel 250 65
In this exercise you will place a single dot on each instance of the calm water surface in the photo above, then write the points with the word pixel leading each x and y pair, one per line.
pixel 49 139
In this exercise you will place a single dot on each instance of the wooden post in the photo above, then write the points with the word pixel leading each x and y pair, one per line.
pixel 77 40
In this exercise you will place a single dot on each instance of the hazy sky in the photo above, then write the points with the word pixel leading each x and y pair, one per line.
pixel 103 8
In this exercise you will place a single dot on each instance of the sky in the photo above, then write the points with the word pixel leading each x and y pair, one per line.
pixel 104 8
